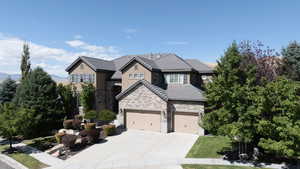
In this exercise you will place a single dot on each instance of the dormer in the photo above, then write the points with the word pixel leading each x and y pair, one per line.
pixel 137 69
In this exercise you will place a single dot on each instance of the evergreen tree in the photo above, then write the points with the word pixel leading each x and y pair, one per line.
pixel 68 96
pixel 278 123
pixel 87 97
pixel 25 62
pixel 7 90
pixel 228 97
pixel 291 61
pixel 38 93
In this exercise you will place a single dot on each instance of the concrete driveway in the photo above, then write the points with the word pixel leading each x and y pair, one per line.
pixel 134 149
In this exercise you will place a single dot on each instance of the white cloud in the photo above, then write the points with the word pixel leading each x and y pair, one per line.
pixel 78 36
pixel 53 60
pixel 176 43
pixel 130 30
pixel 75 43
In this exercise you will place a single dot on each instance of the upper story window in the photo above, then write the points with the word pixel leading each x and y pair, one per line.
pixel 176 78
pixel 77 78
pixel 136 76
pixel 81 66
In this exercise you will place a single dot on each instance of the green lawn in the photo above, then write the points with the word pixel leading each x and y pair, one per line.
pixel 28 161
pixel 195 166
pixel 24 159
pixel 209 147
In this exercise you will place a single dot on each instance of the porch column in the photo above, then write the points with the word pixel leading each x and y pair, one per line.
pixel 163 122
pixel 121 117
pixel 200 116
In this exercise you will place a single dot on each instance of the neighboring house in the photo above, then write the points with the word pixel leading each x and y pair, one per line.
pixel 157 92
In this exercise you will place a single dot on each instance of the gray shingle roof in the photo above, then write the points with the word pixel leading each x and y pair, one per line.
pixel 95 63
pixel 174 92
pixel 157 90
pixel 185 92
pixel 199 66
pixel 162 61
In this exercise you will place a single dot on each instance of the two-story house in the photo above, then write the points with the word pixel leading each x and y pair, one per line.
pixel 156 92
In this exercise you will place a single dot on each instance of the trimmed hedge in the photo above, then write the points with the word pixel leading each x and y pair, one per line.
pixel 68 124
pixel 107 115
pixel 89 126
pixel 109 130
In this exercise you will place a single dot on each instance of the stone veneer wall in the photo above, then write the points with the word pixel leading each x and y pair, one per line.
pixel 142 98
pixel 185 106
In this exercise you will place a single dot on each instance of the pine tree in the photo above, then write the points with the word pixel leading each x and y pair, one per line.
pixel 7 90
pixel 25 62
pixel 68 97
pixel 291 61
pixel 228 97
pixel 38 93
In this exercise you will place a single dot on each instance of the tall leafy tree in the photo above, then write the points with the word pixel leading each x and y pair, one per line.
pixel 87 97
pixel 25 61
pixel 278 123
pixel 68 96
pixel 291 61
pixel 228 96
pixel 7 90
pixel 9 122
pixel 39 94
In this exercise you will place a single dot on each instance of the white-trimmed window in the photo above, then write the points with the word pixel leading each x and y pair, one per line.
pixel 176 78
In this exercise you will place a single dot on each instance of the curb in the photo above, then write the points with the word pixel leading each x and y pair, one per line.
pixel 11 162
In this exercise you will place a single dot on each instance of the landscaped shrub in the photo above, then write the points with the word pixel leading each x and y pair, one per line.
pixel 78 117
pixel 92 135
pixel 58 137
pixel 107 115
pixel 68 124
pixel 76 124
pixel 89 126
pixel 109 130
pixel 68 140
pixel 91 115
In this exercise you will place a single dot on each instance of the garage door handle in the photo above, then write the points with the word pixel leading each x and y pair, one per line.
pixel 185 126
pixel 150 124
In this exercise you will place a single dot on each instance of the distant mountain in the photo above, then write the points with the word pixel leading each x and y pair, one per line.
pixel 18 76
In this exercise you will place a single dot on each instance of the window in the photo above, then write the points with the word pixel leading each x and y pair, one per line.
pixel 136 76
pixel 81 66
pixel 176 78
pixel 77 78
pixel 130 76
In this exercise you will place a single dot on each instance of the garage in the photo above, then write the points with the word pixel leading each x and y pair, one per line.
pixel 143 120
pixel 186 122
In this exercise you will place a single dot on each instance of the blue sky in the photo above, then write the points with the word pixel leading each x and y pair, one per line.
pixel 60 30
